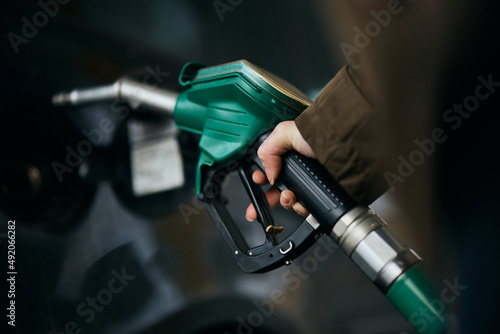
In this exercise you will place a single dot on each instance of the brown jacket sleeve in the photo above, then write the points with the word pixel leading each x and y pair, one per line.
pixel 339 126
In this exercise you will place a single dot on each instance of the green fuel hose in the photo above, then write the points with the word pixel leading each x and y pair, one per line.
pixel 418 301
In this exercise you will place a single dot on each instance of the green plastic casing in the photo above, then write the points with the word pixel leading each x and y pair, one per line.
pixel 418 301
pixel 229 106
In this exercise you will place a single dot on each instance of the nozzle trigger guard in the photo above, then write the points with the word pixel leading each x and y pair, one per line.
pixel 272 253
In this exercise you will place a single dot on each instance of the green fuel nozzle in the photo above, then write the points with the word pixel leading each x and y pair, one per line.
pixel 230 106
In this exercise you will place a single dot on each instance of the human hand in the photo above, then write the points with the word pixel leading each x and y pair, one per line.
pixel 285 137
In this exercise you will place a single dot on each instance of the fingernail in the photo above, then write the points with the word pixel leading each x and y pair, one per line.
pixel 286 199
pixel 269 176
pixel 253 178
pixel 248 219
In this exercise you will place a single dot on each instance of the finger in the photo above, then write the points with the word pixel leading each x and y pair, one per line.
pixel 297 207
pixel 287 199
pixel 251 214
pixel 289 202
pixel 272 198
pixel 284 137
pixel 272 164
pixel 270 152
pixel 259 177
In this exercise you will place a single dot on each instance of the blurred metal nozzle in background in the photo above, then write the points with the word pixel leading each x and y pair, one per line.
pixel 133 92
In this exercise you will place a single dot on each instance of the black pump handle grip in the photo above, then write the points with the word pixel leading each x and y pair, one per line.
pixel 313 186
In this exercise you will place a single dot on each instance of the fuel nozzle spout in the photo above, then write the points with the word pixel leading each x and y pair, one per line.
pixel 133 92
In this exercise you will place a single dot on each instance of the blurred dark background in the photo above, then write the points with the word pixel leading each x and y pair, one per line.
pixel 79 241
